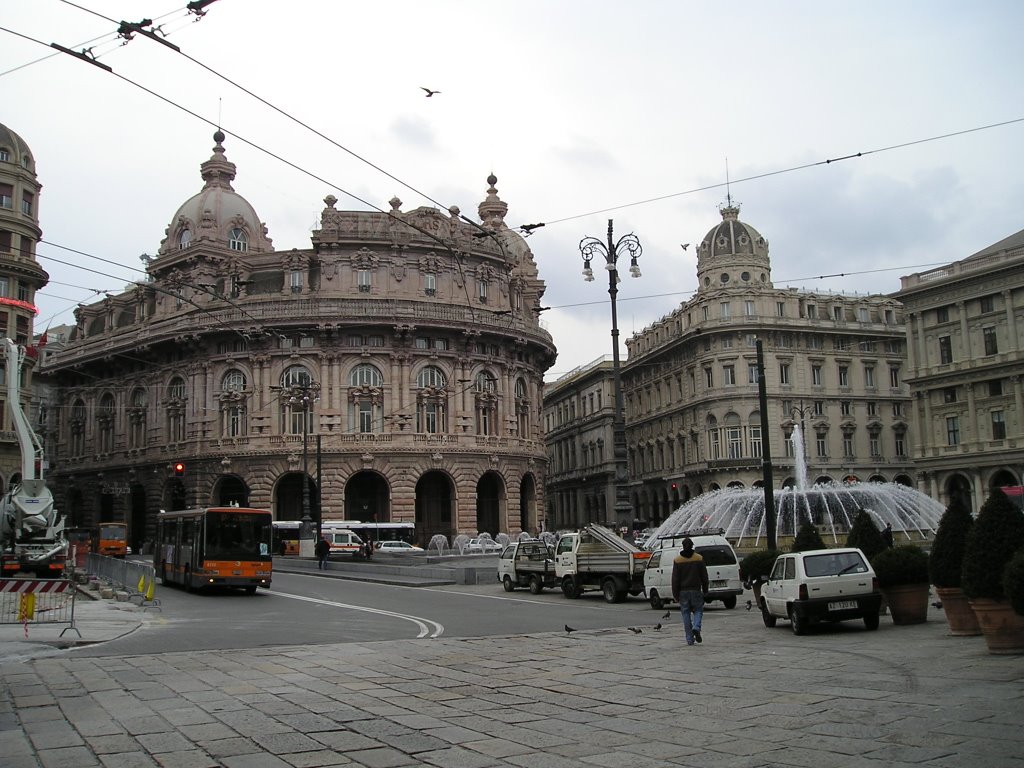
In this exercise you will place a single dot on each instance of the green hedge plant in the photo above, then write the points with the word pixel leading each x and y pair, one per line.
pixel 807 538
pixel 997 534
pixel 1013 581
pixel 900 566
pixel 864 535
pixel 946 561
pixel 757 564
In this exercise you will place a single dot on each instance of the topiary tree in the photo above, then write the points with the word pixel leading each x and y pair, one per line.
pixel 864 535
pixel 807 538
pixel 946 561
pixel 757 564
pixel 996 535
pixel 1013 581
pixel 899 566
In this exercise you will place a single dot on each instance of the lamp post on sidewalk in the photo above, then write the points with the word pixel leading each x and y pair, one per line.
pixel 591 248
pixel 302 396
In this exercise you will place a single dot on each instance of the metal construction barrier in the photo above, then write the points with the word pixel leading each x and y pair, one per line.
pixel 38 601
pixel 138 579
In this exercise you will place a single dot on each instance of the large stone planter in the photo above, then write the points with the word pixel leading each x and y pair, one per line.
pixel 1002 626
pixel 959 614
pixel 908 603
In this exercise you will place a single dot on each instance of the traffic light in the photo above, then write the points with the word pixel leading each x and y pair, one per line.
pixel 179 469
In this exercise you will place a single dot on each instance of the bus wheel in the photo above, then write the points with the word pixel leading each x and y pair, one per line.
pixel 250 589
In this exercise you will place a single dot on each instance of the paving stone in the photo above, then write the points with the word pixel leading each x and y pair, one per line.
pixel 190 759
pixel 320 759
pixel 67 757
pixel 107 745
pixel 382 757
pixel 127 760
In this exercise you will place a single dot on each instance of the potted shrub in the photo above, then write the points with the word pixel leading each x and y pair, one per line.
pixel 997 534
pixel 807 538
pixel 902 574
pixel 864 535
pixel 754 566
pixel 945 564
pixel 1013 582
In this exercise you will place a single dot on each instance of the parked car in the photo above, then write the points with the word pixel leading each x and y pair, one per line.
pixel 396 547
pixel 482 546
pixel 723 571
pixel 821 585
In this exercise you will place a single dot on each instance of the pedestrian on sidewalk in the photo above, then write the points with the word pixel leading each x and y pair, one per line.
pixel 322 550
pixel 689 585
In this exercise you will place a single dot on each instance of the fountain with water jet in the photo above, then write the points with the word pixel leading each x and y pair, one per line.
pixel 739 512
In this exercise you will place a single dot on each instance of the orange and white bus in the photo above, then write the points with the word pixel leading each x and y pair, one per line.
pixel 214 547
pixel 112 540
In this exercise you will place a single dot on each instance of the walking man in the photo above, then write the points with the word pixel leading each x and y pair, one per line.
pixel 689 585
pixel 322 550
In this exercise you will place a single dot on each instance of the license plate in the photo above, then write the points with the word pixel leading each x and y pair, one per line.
pixel 719 583
pixel 842 605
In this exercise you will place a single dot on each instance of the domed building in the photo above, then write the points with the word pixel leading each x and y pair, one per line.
pixel 391 372
pixel 833 364
pixel 20 276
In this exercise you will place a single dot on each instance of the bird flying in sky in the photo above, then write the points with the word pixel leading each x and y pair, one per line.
pixel 429 92
pixel 684 246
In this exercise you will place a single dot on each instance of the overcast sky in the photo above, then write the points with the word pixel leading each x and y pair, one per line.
pixel 576 107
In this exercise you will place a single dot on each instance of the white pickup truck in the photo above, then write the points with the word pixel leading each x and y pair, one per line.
pixel 821 585
pixel 596 558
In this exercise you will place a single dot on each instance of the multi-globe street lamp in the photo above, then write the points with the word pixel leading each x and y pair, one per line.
pixel 302 396
pixel 592 248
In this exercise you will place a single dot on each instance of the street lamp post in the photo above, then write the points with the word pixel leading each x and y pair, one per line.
pixel 591 248
pixel 303 396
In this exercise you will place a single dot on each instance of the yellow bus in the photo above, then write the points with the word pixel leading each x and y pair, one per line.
pixel 214 547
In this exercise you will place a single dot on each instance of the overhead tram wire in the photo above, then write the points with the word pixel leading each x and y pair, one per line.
pixel 274 107
pixel 390 214
pixel 458 261
pixel 529 228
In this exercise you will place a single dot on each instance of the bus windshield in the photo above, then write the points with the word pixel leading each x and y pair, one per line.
pixel 234 536
pixel 113 532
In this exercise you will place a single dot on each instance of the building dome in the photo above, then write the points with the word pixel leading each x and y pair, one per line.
pixel 16 148
pixel 217 215
pixel 733 253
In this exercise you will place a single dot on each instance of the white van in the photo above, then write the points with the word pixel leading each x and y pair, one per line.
pixel 723 571
pixel 342 541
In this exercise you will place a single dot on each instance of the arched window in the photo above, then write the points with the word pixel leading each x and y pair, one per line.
pixel 522 410
pixel 184 239
pixel 733 436
pixel 175 408
pixel 754 433
pixel 237 240
pixel 366 399
pixel 105 424
pixel 137 419
pixel 431 398
pixel 714 440
pixel 366 376
pixel 76 426
pixel 486 403
pixel 298 396
pixel 233 404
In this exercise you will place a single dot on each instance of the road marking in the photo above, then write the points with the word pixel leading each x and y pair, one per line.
pixel 423 624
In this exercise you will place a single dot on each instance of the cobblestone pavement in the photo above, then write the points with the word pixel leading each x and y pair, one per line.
pixel 901 696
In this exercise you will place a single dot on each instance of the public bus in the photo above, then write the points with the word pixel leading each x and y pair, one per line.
pixel 286 537
pixel 214 547
pixel 112 539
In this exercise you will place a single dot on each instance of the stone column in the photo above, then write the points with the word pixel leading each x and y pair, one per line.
pixel 965 335
pixel 1011 327
pixel 972 411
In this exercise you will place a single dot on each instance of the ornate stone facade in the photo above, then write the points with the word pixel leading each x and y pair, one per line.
pixel 399 360
pixel 834 365
pixel 20 278
pixel 966 359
